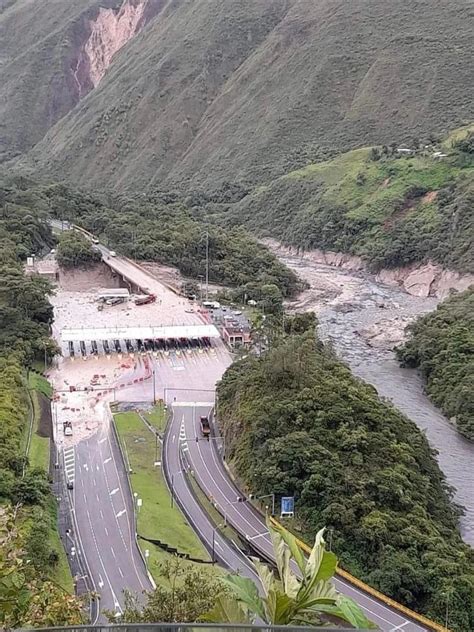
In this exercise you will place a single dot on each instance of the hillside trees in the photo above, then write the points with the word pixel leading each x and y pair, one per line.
pixel 297 423
pixel 75 251
pixel 441 345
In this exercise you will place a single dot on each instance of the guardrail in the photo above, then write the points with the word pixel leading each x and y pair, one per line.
pixel 432 625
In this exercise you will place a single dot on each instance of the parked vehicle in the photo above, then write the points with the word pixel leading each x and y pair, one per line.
pixel 67 428
pixel 205 427
pixel 112 253
pixel 144 299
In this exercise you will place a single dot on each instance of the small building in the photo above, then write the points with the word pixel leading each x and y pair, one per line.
pixel 404 151
pixel 236 335
pixel 47 268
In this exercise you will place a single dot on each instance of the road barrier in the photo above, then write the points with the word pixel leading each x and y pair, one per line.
pixel 432 625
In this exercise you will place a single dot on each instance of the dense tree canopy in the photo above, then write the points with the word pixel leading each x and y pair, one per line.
pixel 441 344
pixel 28 560
pixel 297 423
pixel 74 251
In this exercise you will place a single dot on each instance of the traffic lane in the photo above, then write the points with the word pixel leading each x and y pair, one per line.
pixel 105 519
pixel 183 375
pixel 90 521
pixel 229 554
pixel 214 479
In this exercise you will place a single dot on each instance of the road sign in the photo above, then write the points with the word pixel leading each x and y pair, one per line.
pixel 287 507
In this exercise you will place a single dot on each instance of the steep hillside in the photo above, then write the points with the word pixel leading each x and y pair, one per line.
pixel 247 90
pixel 52 54
pixel 297 423
pixel 389 208
pixel 441 344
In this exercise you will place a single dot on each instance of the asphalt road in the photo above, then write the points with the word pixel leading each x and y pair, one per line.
pixel 174 462
pixel 213 477
pixel 104 516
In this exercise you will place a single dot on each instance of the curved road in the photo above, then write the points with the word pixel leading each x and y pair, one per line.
pixel 214 479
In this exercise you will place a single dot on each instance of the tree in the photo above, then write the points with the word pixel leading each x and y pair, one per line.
pixel 191 593
pixel 289 600
pixel 74 250
pixel 25 600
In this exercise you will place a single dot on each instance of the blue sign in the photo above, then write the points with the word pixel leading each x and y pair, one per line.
pixel 287 506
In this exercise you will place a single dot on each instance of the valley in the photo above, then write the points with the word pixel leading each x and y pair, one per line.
pixel 364 320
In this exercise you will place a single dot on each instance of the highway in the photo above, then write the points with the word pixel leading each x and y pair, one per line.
pixel 104 520
pixel 214 479
pixel 102 504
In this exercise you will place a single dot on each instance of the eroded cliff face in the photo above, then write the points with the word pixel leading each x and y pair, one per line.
pixel 110 31
pixel 421 279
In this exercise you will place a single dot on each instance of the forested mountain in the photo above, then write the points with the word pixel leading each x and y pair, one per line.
pixel 441 344
pixel 210 91
pixel 298 423
pixel 389 207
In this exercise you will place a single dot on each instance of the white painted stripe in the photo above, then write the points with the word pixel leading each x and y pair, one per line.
pixel 192 404
pixel 120 513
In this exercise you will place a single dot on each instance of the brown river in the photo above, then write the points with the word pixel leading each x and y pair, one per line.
pixel 364 320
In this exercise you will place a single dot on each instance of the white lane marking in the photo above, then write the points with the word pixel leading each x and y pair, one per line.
pixel 173 438
pixel 108 460
pixel 114 491
pixel 346 586
pixel 114 596
pixel 120 571
pixel 193 404
pixel 259 535
pixel 113 552
pixel 102 440
pixel 101 514
pixel 131 542
pixel 101 581
pixel 120 513
pixel 97 497
pixel 399 627
pixel 106 532
pixel 218 545
pixel 93 482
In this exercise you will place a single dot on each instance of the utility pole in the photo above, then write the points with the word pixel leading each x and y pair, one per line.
pixel 207 265
pixel 154 387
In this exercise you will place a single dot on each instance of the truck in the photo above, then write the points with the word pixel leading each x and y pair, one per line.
pixel 144 299
pixel 67 428
pixel 205 427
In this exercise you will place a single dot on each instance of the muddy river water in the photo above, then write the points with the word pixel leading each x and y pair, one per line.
pixel 364 320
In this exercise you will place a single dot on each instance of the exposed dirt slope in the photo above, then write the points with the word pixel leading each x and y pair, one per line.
pixel 52 54
pixel 212 91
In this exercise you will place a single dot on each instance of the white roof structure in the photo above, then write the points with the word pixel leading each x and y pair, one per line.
pixel 116 292
pixel 139 333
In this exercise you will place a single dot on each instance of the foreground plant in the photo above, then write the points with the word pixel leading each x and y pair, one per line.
pixel 304 598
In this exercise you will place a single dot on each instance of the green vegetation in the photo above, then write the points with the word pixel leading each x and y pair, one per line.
pixel 157 519
pixel 32 594
pixel 287 599
pixel 297 423
pixel 441 344
pixel 75 251
pixel 245 93
pixel 183 594
pixel 28 598
pixel 40 392
pixel 157 417
pixel 389 209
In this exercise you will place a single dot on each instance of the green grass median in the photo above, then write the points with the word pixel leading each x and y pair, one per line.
pixel 157 417
pixel 156 518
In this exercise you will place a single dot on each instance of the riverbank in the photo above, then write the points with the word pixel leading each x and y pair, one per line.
pixel 418 279
pixel 364 319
